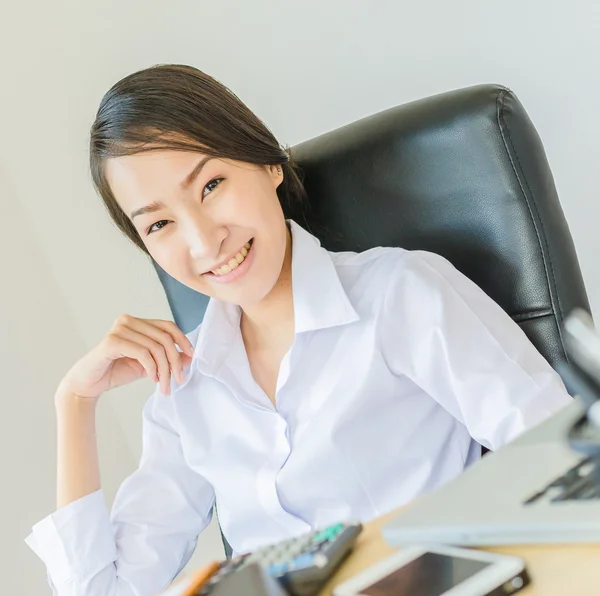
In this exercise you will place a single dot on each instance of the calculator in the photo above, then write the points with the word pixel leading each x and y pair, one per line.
pixel 301 565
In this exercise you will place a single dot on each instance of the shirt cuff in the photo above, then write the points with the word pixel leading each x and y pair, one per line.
pixel 76 541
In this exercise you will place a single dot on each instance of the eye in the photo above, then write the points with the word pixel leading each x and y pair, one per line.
pixel 211 186
pixel 151 229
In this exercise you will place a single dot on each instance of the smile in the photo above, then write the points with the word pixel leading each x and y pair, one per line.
pixel 235 267
pixel 234 262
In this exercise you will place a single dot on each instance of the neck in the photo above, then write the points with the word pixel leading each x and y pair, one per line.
pixel 271 321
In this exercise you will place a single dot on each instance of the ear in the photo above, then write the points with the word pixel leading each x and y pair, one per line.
pixel 276 175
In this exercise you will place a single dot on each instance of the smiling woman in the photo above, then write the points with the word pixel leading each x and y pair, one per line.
pixel 305 359
pixel 191 176
pixel 178 107
pixel 200 219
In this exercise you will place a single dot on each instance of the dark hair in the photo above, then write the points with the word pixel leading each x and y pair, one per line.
pixel 179 107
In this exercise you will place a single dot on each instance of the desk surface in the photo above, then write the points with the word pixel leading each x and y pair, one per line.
pixel 555 570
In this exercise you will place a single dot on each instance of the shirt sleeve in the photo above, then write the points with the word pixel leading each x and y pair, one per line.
pixel 149 536
pixel 443 332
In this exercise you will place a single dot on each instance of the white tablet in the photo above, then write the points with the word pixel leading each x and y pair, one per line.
pixel 439 571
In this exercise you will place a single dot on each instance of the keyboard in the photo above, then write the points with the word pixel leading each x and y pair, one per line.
pixel 579 483
pixel 302 565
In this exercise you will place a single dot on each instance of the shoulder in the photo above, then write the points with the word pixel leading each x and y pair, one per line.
pixel 385 268
pixel 370 265
pixel 389 281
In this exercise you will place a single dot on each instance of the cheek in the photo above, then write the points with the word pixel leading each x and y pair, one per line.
pixel 255 202
pixel 174 260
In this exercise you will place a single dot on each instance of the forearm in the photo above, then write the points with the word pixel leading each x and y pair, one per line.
pixel 78 472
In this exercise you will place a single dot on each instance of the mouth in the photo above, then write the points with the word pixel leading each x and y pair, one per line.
pixel 235 267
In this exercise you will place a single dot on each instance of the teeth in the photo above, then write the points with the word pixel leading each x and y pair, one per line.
pixel 234 262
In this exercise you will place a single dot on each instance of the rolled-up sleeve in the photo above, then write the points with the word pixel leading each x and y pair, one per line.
pixel 444 333
pixel 151 532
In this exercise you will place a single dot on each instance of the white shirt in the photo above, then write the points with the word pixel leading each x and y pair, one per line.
pixel 398 366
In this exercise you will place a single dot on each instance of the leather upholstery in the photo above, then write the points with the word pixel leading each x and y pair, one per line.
pixel 463 174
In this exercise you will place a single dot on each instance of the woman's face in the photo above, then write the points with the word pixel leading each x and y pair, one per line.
pixel 198 215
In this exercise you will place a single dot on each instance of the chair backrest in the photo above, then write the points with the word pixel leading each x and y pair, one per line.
pixel 463 174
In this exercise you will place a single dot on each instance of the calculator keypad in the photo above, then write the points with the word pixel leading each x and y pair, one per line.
pixel 306 552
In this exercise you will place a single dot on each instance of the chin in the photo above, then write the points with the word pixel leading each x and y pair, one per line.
pixel 248 297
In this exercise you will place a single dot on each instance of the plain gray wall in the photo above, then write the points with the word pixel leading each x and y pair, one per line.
pixel 304 68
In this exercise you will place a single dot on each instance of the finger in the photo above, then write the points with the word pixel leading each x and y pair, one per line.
pixel 143 327
pixel 172 354
pixel 119 347
pixel 185 359
pixel 177 334
pixel 164 371
pixel 159 355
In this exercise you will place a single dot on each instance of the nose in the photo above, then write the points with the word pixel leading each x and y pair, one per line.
pixel 204 238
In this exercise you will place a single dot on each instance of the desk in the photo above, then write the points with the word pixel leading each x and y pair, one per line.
pixel 557 570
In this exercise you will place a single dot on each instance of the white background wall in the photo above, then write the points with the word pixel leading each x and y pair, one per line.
pixel 305 68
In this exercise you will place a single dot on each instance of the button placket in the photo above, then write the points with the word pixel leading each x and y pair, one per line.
pixel 267 482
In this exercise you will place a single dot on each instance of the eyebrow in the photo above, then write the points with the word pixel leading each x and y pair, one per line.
pixel 151 208
pixel 189 179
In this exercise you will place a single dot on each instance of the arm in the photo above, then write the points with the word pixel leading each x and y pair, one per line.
pixel 78 472
pixel 156 518
pixel 465 351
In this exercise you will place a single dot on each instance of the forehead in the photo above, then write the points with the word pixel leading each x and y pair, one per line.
pixel 136 180
pixel 148 176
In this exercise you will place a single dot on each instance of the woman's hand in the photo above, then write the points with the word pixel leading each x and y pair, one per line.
pixel 132 349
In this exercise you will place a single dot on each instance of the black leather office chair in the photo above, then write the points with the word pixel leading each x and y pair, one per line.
pixel 462 174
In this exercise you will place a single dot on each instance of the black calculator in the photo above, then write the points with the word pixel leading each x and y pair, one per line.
pixel 301 565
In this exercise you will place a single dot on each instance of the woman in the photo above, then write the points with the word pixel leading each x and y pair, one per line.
pixel 320 387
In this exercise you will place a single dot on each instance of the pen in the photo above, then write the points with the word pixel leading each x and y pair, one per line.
pixel 201 578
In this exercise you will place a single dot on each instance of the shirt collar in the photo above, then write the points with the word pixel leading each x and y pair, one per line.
pixel 320 301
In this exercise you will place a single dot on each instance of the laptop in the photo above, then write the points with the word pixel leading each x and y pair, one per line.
pixel 542 487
